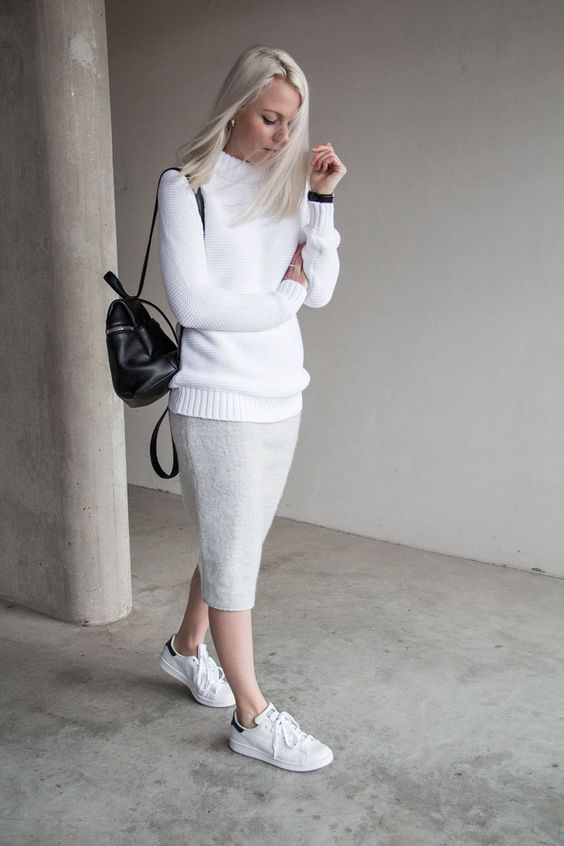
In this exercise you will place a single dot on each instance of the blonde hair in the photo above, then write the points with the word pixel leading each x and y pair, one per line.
pixel 280 192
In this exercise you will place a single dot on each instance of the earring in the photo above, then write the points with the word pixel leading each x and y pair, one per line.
pixel 232 122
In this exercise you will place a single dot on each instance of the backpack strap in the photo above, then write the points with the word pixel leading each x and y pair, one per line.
pixel 199 200
pixel 153 451
pixel 153 446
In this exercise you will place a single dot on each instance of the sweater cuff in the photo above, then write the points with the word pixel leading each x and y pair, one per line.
pixel 293 291
pixel 321 216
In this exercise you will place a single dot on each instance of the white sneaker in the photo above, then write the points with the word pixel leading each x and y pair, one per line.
pixel 201 674
pixel 278 740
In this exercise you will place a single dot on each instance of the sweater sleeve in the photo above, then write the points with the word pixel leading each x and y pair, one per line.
pixel 194 301
pixel 320 256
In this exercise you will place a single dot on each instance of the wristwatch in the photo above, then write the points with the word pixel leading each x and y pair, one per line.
pixel 320 198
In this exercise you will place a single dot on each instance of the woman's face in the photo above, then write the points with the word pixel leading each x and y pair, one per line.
pixel 262 125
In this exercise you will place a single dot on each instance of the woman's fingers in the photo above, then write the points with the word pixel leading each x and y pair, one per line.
pixel 295 270
pixel 328 169
pixel 297 257
pixel 322 160
pixel 322 150
pixel 324 153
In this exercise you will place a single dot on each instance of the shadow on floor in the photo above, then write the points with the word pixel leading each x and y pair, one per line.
pixel 436 681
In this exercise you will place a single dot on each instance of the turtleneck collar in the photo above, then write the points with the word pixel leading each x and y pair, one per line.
pixel 237 170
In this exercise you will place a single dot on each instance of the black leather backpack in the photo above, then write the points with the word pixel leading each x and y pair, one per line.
pixel 143 359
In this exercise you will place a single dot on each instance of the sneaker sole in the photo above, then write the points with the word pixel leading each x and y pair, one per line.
pixel 263 756
pixel 172 671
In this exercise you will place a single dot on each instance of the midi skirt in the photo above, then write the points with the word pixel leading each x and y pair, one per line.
pixel 232 476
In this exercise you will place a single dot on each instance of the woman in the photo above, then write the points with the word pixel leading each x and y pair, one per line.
pixel 269 247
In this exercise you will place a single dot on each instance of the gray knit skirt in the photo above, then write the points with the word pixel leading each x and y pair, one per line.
pixel 232 476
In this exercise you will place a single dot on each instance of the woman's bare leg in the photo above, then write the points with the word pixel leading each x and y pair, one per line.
pixel 232 633
pixel 195 624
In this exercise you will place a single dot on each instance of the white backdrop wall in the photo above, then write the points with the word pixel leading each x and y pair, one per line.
pixel 434 416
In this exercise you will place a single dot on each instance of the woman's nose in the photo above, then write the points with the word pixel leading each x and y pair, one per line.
pixel 282 136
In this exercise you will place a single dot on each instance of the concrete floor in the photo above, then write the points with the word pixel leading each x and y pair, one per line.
pixel 437 682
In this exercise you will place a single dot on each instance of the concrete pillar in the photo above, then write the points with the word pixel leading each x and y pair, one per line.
pixel 64 520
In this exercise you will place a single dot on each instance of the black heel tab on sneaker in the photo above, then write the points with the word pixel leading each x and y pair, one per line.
pixel 236 724
pixel 170 647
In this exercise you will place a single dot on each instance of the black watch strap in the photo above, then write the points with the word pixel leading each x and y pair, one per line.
pixel 320 198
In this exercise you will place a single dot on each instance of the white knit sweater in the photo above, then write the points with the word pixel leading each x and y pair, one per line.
pixel 242 351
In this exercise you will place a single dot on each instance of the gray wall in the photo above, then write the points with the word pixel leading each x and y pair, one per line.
pixel 434 413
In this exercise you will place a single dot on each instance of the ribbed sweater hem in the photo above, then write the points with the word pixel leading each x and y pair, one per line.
pixel 221 405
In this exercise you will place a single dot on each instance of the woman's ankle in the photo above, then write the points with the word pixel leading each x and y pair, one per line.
pixel 245 713
pixel 184 647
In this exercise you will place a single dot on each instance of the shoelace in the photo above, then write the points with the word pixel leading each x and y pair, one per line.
pixel 208 673
pixel 287 729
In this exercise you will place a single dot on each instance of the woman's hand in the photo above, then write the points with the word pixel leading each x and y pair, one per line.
pixel 296 272
pixel 328 169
